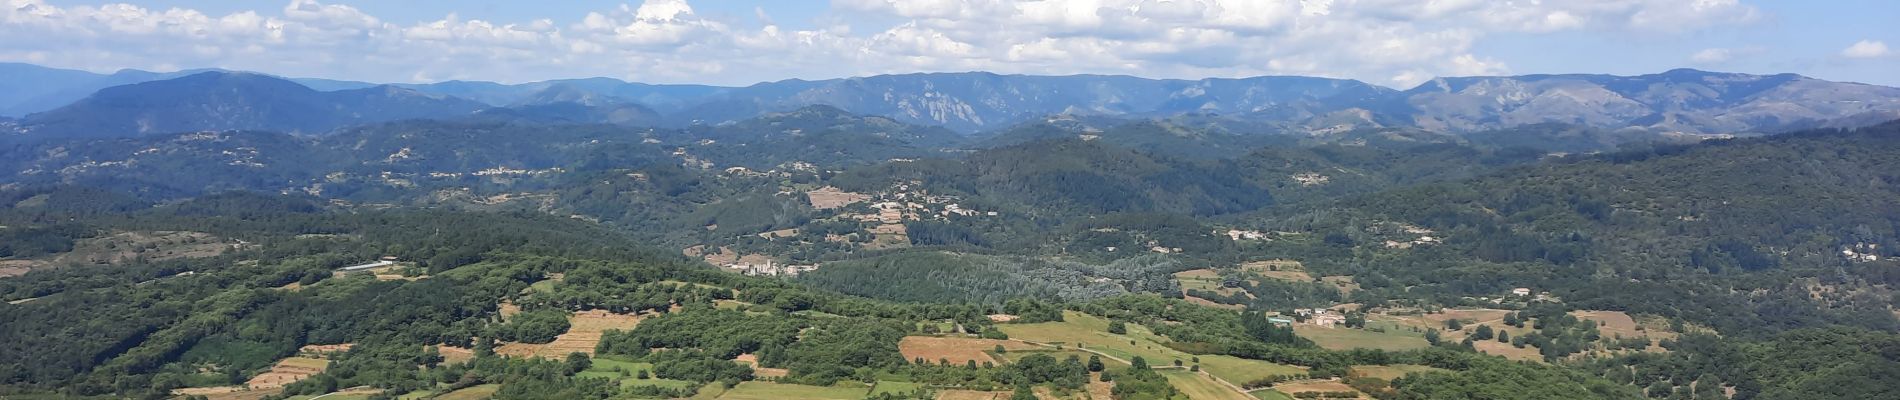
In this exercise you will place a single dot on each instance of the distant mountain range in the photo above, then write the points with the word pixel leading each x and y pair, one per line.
pixel 48 102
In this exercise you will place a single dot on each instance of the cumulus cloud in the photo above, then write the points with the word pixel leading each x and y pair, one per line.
pixel 1866 49
pixel 1391 42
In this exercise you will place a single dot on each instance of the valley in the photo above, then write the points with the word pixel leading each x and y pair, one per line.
pixel 591 249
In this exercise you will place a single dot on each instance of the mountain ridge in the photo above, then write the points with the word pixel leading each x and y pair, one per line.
pixel 1679 101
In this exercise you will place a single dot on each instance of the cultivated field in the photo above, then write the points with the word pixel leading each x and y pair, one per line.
pixel 287 371
pixel 957 350
pixel 583 333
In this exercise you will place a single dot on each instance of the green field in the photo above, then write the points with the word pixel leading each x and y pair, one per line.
pixel 477 392
pixel 1270 395
pixel 1092 332
pixel 755 390
pixel 1239 371
pixel 329 397
pixel 611 369
pixel 543 286
pixel 607 368
pixel 894 387
pixel 1344 338
pixel 1198 387
pixel 1062 354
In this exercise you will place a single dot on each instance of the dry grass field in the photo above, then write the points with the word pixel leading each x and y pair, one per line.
pixel 287 371
pixel 1294 388
pixel 121 247
pixel 583 334
pixel 828 197
pixel 970 395
pixel 1286 270
pixel 957 350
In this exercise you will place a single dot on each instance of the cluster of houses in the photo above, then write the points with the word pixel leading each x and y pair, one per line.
pixel 1321 316
pixel 770 268
pixel 1861 252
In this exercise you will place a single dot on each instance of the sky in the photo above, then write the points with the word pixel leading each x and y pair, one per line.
pixel 1395 43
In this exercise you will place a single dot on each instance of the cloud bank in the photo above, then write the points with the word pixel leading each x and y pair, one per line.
pixel 1388 42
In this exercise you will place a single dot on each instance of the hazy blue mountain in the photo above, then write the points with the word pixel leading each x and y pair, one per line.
pixel 569 104
pixel 662 97
pixel 981 101
pixel 222 101
pixel 27 88
pixel 1675 103
pixel 1682 100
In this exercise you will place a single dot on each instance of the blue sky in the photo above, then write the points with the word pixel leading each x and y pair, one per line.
pixel 1396 43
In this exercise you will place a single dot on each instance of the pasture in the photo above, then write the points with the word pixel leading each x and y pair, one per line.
pixel 477 392
pixel 1296 387
pixel 1347 338
pixel 1199 387
pixel 628 373
pixel 756 390
pixel 1239 371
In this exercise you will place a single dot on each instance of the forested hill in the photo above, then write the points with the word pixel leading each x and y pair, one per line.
pixel 1754 235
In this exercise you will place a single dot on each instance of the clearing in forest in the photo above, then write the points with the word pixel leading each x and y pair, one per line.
pixel 957 350
pixel 758 371
pixel 628 374
pixel 1286 270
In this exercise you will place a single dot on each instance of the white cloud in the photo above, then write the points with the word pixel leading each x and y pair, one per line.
pixel 1393 42
pixel 1712 56
pixel 1866 49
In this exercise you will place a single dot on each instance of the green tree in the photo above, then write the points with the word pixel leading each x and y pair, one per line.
pixel 577 362
pixel 1117 327
pixel 1483 333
